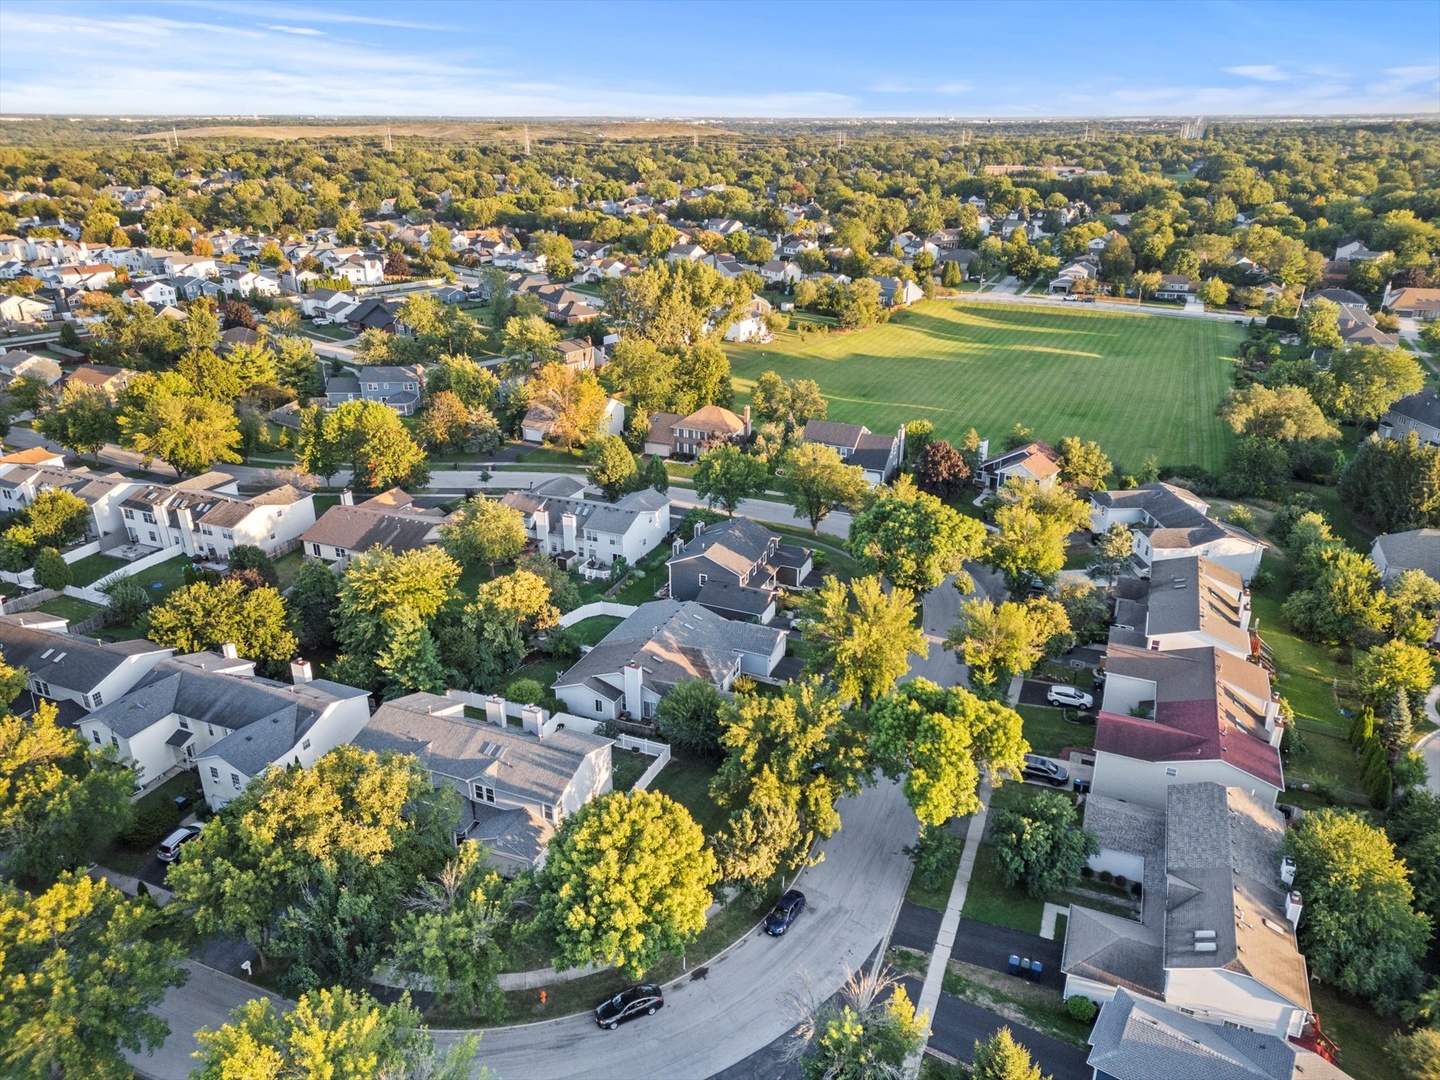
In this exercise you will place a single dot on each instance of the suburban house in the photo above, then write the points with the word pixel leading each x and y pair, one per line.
pixel 15 363
pixel 895 292
pixel 1182 717
pixel 538 421
pixel 20 482
pixel 879 456
pixel 68 668
pixel 1187 603
pixel 1419 413
pixel 1170 522
pixel 1035 463
pixel 780 272
pixel 108 380
pixel 1423 304
pixel 398 387
pixel 158 294
pixel 1176 287
pixel 326 305
pixel 22 310
pixel 660 645
pixel 389 520
pixel 589 534
pixel 1356 251
pixel 690 436
pixel 749 324
pixel 1070 276
pixel 1135 1038
pixel 1216 938
pixel 208 523
pixel 736 569
pixel 515 785
pixel 576 353
pixel 1418 549
pixel 211 712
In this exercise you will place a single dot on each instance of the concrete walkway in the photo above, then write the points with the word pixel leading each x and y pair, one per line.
pixel 1049 917
pixel 1429 746
pixel 929 1000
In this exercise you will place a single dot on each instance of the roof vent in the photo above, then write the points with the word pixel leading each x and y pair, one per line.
pixel 1179 583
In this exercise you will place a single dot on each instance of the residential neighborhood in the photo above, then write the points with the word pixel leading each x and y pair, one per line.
pixel 679 577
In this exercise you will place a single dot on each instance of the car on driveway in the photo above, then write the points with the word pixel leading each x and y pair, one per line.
pixel 1044 770
pixel 1065 694
pixel 169 849
pixel 639 1000
pixel 786 910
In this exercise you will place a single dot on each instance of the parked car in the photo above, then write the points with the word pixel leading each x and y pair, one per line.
pixel 639 1000
pixel 169 849
pixel 1045 770
pixel 786 909
pixel 1065 694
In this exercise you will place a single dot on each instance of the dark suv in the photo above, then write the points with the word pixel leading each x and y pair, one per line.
pixel 1045 770
pixel 786 909
pixel 633 1001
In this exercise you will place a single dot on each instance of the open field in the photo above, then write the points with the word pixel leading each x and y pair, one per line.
pixel 1137 384
pixel 451 130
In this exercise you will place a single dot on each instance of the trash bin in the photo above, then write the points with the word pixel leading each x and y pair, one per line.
pixel 1014 964
pixel 1082 786
pixel 181 802
pixel 1025 968
pixel 1036 970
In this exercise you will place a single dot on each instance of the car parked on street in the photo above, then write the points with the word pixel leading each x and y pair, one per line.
pixel 639 1000
pixel 786 910
pixel 1044 770
pixel 1065 694
pixel 169 849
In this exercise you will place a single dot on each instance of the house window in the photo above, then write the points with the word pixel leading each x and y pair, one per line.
pixel 214 773
pixel 42 688
pixel 340 553
pixel 598 706
pixel 1235 1026
pixel 305 745
pixel 484 794
pixel 235 779
pixel 95 734
pixel 153 536
pixel 647 709
pixel 129 514
pixel 315 550
pixel 549 812
pixel 149 520
pixel 1172 771
pixel 227 534
pixel 184 724
pixel 114 742
pixel 373 386
pixel 95 697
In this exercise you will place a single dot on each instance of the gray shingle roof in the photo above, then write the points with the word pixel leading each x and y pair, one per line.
pixel 1114 951
pixel 834 434
pixel 1418 549
pixel 359 528
pixel 1423 407
pixel 737 544
pixel 78 664
pixel 1192 594
pixel 1134 1039
pixel 448 744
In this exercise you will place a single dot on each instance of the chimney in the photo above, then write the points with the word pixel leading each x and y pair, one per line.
pixel 1287 870
pixel 1293 907
pixel 532 719
pixel 300 671
pixel 983 452
pixel 1272 711
pixel 495 710
pixel 229 651
pixel 347 498
pixel 634 701
pixel 567 532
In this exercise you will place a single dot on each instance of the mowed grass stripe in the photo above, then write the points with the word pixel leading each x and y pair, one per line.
pixel 1138 384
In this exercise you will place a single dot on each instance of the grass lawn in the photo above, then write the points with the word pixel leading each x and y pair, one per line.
pixel 1024 1003
pixel 328 332
pixel 160 581
pixel 550 455
pixel 1305 670
pixel 1138 384
pixel 287 566
pixel 70 607
pixel 687 781
pixel 592 630
pixel 627 767
pixel 1358 1030
pixel 94 568
pixel 1048 732
pixel 990 900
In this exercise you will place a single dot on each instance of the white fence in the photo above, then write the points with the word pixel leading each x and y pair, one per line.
pixel 92 592
pixel 598 607
pixel 660 751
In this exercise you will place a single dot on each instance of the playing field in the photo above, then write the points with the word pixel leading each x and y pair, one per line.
pixel 1137 384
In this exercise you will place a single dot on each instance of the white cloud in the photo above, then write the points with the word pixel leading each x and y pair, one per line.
pixel 1262 72
pixel 306 30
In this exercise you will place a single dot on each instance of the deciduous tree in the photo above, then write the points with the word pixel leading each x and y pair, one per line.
pixel 187 433
pixel 1285 413
pixel 1034 526
pixel 940 470
pixel 1041 846
pixel 914 539
pixel 1083 465
pixel 728 476
pixel 573 400
pixel 819 482
pixel 859 636
pixel 204 616
pixel 689 716
pixel 612 466
pixel 484 530
pixel 998 642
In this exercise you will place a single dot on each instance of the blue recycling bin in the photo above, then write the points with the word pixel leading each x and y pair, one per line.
pixel 1014 964
pixel 1036 970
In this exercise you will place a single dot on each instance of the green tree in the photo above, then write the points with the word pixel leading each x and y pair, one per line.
pixel 83 420
pixel 1319 324
pixel 871 1032
pixel 530 337
pixel 1033 526
pixel 376 587
pixel 314 596
pixel 1113 549
pixel 728 476
pixel 58 798
pixel 941 741
pixel 204 616
pixel 1363 381
pixel 1412 600
pixel 689 716
pixel 483 530
pixel 1285 413
pixel 1000 641
pixel 330 1033
pixel 369 436
pixel 656 475
pixel 859 636
pixel 1417 1054
pixel 1410 826
pixel 626 881
pixel 1393 667
pixel 573 400
pixel 409 659
pixel 1343 601
pixel 1001 1058
pixel 1360 932
pixel 1214 292
pixel 819 481
pixel 914 539
pixel 1395 483
pixel 81 968
pixel 187 433
pixel 1083 465
pixel 1042 846
pixel 612 466
pixel 501 625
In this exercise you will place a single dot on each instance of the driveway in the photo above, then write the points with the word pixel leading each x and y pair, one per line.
pixel 1033 692
pixel 991 947
pixel 1429 746
pixel 205 1001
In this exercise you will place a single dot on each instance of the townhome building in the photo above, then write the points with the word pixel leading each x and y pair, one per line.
pixel 516 786
pixel 1187 603
pixel 1418 413
pixel 76 673
pixel 1414 549
pixel 737 568
pixel 583 532
pixel 388 520
pixel 400 387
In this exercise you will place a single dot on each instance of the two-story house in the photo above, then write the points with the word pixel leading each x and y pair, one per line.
pixel 1216 939
pixel 399 387
pixel 671 435
pixel 589 534
pixel 1033 463
pixel 78 673
pixel 736 568
pixel 1186 716
pixel 1169 523
pixel 1187 603
pixel 1419 413
pixel 389 520
pixel 660 645
pixel 879 456
pixel 1417 549
pixel 209 711
pixel 515 786
pixel 210 522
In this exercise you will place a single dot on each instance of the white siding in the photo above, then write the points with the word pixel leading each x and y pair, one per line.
pixel 1145 782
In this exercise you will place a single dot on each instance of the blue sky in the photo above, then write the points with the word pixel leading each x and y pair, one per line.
pixel 893 58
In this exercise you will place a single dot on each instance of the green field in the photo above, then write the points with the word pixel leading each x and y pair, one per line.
pixel 1137 384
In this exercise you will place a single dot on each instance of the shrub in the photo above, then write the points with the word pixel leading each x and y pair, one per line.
pixel 1105 877
pixel 127 599
pixel 51 569
pixel 525 692
pixel 1087 872
pixel 150 825
pixel 935 855
pixel 1121 881
pixel 1081 1008
pixel 1242 518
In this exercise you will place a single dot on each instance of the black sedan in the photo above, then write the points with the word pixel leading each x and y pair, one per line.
pixel 786 910
pixel 1045 770
pixel 633 1001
